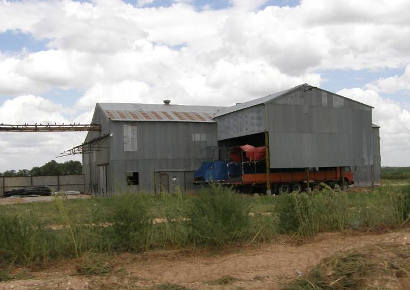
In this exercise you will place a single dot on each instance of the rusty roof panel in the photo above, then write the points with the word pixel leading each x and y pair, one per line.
pixel 179 116
pixel 110 114
pixel 198 116
pixel 169 117
pixel 146 116
pixel 122 114
pixel 116 113
pixel 189 116
pixel 134 116
pixel 156 115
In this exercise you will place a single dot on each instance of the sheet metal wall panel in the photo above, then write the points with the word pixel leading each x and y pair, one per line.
pixel 376 155
pixel 240 123
pixel 161 146
pixel 323 130
pixel 100 151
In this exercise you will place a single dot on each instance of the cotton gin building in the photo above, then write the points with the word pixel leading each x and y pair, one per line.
pixel 158 147
pixel 306 127
pixel 148 147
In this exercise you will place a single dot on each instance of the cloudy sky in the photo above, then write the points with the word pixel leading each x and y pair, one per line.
pixel 58 58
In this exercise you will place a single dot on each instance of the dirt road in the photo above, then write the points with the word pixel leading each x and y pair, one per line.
pixel 266 266
pixel 17 200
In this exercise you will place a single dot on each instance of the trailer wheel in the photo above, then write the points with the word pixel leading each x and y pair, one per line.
pixel 344 185
pixel 284 188
pixel 331 184
pixel 296 187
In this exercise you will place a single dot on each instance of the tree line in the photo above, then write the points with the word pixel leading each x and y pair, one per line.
pixel 51 168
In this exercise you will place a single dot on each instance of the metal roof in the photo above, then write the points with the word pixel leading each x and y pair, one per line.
pixel 158 112
pixel 255 102
pixel 264 100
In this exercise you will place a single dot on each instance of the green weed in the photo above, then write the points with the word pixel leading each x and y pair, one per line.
pixel 132 222
pixel 218 217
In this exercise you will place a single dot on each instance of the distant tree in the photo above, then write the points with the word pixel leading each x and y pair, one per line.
pixel 10 173
pixel 52 168
pixel 23 172
pixel 35 171
pixel 72 167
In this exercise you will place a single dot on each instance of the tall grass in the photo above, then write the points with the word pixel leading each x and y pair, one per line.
pixel 307 214
pixel 219 217
pixel 216 217
pixel 24 240
pixel 132 223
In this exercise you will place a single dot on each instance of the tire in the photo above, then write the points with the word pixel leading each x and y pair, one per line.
pixel 296 187
pixel 284 188
pixel 344 185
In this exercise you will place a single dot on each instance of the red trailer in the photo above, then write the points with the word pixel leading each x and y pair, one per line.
pixel 253 175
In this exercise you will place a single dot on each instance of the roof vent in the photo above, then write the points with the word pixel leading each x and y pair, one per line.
pixel 167 102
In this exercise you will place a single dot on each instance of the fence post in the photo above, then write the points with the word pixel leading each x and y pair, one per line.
pixel 4 184
pixel 58 182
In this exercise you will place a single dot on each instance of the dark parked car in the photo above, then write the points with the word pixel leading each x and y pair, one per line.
pixel 35 190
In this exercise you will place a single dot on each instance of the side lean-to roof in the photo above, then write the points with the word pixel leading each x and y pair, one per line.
pixel 269 98
pixel 158 112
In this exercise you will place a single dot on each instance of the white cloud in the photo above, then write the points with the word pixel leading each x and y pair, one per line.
pixel 394 122
pixel 114 51
pixel 394 83
pixel 247 5
pixel 141 3
pixel 25 150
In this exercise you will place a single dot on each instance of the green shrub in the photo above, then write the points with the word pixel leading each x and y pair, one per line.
pixel 132 222
pixel 24 240
pixel 380 208
pixel 286 211
pixel 219 216
pixel 171 228
pixel 405 203
pixel 308 214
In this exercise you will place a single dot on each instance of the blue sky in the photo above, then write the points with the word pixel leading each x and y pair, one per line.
pixel 14 41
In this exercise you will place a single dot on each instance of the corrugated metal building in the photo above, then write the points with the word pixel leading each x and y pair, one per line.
pixel 137 140
pixel 307 127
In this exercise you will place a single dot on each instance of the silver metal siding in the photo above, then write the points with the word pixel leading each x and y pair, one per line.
pixel 241 123
pixel 308 129
pixel 376 155
pixel 162 146
pixel 100 151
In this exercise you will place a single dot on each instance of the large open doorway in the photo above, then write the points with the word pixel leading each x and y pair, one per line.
pixel 226 146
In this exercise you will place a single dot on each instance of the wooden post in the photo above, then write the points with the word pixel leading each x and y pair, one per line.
pixel 90 187
pixel 58 182
pixel 155 183
pixel 307 180
pixel 184 173
pixel 267 159
pixel 4 184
